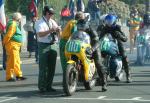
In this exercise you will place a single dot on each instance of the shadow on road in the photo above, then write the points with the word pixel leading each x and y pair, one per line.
pixel 134 83
pixel 139 65
pixel 34 94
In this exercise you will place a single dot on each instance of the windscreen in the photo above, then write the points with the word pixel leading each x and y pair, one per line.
pixel 82 36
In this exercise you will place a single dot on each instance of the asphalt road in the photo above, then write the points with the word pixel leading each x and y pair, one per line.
pixel 118 92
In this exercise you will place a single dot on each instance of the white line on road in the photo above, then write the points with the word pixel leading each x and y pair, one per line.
pixel 117 99
pixel 101 97
pixel 136 98
pixel 9 98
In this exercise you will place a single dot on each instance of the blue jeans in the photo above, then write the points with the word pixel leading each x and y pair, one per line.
pixel 95 16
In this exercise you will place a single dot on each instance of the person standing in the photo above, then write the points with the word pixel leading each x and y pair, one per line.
pixel 66 33
pixel 94 10
pixel 45 29
pixel 31 45
pixel 12 42
pixel 4 52
pixel 65 13
pixel 134 26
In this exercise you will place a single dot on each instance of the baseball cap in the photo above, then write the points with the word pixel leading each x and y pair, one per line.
pixel 49 9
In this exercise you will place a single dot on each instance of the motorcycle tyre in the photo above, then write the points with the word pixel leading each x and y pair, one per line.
pixel 68 89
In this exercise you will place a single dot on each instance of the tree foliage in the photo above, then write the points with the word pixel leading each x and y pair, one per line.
pixel 12 6
pixel 121 7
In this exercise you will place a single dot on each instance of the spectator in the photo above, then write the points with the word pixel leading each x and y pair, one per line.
pixel 134 25
pixel 4 52
pixel 12 43
pixel 31 45
pixel 94 10
pixel 65 13
pixel 45 29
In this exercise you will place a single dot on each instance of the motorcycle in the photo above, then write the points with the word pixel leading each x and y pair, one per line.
pixel 80 65
pixel 143 46
pixel 112 59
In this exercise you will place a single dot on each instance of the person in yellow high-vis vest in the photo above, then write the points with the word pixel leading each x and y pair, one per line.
pixel 12 42
pixel 66 33
pixel 134 26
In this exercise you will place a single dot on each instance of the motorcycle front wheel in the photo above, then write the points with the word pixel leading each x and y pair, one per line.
pixel 70 79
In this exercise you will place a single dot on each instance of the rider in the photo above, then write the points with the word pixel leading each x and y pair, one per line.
pixel 115 30
pixel 83 24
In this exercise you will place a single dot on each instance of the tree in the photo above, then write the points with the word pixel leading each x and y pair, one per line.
pixel 17 6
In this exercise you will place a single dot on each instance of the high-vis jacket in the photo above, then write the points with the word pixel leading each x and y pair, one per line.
pixel 69 29
pixel 12 33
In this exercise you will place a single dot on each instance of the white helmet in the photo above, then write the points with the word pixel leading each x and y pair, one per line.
pixel 102 18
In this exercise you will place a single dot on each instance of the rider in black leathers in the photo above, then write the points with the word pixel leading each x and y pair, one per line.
pixel 115 31
pixel 95 52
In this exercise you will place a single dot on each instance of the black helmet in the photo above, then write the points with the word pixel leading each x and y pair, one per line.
pixel 82 24
pixel 48 9
pixel 146 19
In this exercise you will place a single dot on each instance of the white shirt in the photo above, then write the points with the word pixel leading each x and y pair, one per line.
pixel 41 26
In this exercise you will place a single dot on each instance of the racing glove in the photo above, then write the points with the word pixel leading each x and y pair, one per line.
pixel 89 51
pixel 119 35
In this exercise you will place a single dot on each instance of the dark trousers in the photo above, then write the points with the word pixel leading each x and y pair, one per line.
pixel 4 58
pixel 124 58
pixel 4 55
pixel 36 53
pixel 47 63
pixel 63 59
pixel 101 69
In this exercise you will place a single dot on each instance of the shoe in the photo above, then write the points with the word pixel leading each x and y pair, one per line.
pixel 51 90
pixel 42 90
pixel 29 55
pixel 11 80
pixel 21 78
pixel 129 80
pixel 36 61
pixel 104 88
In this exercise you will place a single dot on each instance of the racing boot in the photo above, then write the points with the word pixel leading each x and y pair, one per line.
pixel 127 70
pixel 128 77
pixel 104 84
pixel 104 88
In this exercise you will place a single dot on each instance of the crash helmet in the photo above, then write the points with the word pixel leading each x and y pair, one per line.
pixel 110 19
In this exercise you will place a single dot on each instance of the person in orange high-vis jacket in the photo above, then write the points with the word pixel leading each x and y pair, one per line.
pixel 12 42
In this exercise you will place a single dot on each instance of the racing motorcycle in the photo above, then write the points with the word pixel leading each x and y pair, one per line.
pixel 143 46
pixel 112 59
pixel 80 65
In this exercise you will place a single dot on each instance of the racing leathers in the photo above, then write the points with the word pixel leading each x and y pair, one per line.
pixel 101 70
pixel 115 31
